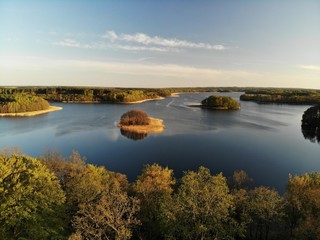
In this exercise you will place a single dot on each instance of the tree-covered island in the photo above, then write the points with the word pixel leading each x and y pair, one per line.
pixel 138 121
pixel 23 105
pixel 220 103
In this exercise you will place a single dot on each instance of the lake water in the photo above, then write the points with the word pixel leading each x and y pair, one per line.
pixel 264 140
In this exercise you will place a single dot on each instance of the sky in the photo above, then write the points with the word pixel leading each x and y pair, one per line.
pixel 167 43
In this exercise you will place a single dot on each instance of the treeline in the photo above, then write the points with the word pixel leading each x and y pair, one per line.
pixel 94 95
pixel 105 95
pixel 54 197
pixel 287 96
pixel 18 102
pixel 126 95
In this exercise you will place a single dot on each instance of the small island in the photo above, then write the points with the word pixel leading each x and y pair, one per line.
pixel 138 121
pixel 22 105
pixel 219 103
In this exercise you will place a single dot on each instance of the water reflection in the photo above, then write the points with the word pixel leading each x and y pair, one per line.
pixel 310 124
pixel 133 135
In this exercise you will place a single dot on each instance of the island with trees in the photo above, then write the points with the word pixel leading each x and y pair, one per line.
pixel 137 121
pixel 24 105
pixel 219 103
pixel 57 197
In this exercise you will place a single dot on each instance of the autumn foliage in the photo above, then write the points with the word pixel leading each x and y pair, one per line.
pixel 134 117
pixel 54 197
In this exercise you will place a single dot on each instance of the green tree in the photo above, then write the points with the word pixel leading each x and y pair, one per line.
pixel 105 211
pixel 203 207
pixel 31 200
pixel 154 188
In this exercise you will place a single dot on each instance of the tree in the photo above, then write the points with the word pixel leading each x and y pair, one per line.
pixel 303 196
pixel 266 208
pixel 240 180
pixel 31 199
pixel 203 207
pixel 310 124
pixel 135 117
pixel 105 211
pixel 154 188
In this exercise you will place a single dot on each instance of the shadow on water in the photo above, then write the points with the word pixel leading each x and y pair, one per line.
pixel 133 135
pixel 310 124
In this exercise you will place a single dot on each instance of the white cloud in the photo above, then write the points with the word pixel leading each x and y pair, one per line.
pixel 75 44
pixel 144 39
pixel 141 48
pixel 310 67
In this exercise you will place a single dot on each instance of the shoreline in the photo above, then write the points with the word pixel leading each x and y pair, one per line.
pixel 212 108
pixel 30 114
pixel 144 100
pixel 156 126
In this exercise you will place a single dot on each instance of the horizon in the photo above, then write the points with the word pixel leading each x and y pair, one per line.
pixel 167 44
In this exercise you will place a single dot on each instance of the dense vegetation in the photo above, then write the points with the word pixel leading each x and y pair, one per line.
pixel 220 102
pixel 310 123
pixel 126 95
pixel 287 96
pixel 95 95
pixel 134 117
pixel 64 198
pixel 17 103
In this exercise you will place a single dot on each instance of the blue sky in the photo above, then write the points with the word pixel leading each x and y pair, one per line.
pixel 169 43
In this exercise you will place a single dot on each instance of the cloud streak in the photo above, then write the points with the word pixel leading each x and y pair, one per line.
pixel 310 67
pixel 170 43
pixel 67 42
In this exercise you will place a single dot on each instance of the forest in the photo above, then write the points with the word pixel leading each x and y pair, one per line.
pixel 286 96
pixel 19 102
pixel 127 95
pixel 57 197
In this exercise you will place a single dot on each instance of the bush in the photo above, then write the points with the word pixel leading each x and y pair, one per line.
pixel 134 117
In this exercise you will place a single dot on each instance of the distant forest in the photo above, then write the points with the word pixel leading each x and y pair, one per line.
pixel 56 197
pixel 287 96
pixel 126 95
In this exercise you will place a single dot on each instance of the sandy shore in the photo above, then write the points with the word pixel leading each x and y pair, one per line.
pixel 145 100
pixel 30 114
pixel 155 126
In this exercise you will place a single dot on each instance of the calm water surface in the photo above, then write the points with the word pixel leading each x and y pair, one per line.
pixel 264 140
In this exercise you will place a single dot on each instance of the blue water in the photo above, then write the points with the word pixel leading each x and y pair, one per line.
pixel 264 140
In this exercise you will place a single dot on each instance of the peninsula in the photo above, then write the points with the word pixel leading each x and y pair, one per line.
pixel 23 105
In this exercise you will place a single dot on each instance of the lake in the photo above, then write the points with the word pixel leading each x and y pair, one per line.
pixel 264 140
